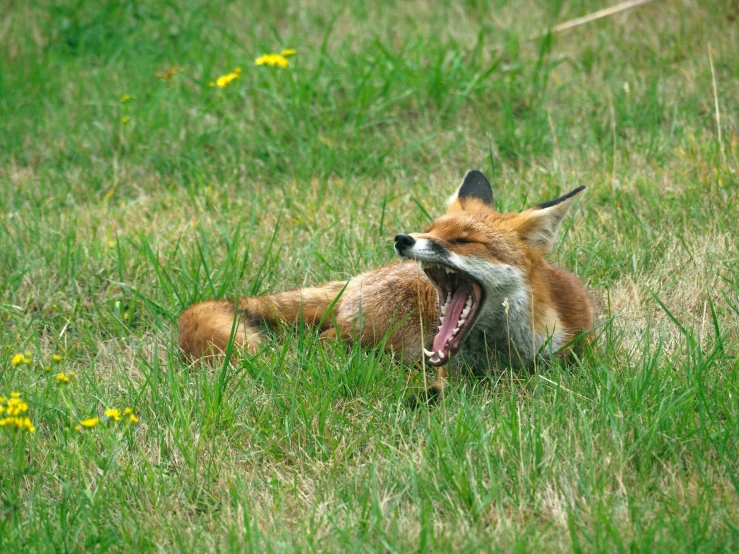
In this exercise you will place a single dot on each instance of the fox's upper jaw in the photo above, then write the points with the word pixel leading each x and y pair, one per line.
pixel 469 289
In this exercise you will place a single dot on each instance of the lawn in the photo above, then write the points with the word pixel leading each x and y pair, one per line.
pixel 133 184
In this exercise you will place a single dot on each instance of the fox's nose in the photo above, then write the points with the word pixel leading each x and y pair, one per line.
pixel 404 241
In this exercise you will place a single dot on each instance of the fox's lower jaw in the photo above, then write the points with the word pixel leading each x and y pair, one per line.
pixel 460 298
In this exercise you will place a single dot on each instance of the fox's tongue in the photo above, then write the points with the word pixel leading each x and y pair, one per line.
pixel 453 311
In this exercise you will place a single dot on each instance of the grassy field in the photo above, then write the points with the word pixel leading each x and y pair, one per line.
pixel 130 187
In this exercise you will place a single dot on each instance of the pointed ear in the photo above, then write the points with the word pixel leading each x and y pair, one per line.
pixel 474 193
pixel 541 223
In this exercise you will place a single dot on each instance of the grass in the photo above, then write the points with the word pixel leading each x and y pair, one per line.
pixel 293 176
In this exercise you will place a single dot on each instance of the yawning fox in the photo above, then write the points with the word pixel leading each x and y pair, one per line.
pixel 474 287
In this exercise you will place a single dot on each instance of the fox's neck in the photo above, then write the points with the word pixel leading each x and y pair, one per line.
pixel 505 330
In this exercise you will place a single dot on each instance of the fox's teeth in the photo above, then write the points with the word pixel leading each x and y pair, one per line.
pixel 428 352
pixel 441 355
pixel 441 319
pixel 443 310
pixel 448 297
pixel 456 330
pixel 461 322
pixel 466 312
pixel 448 270
pixel 469 301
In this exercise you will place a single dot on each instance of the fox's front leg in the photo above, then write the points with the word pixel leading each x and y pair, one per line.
pixel 432 395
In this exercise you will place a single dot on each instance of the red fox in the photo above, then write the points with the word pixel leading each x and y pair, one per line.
pixel 473 287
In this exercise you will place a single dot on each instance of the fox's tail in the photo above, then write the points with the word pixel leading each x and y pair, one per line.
pixel 205 329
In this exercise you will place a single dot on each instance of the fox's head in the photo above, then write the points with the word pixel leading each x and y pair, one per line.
pixel 476 258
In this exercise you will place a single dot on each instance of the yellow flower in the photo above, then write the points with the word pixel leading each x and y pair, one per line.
pixel 288 52
pixel 62 378
pixel 125 119
pixel 128 411
pixel 57 358
pixel 19 423
pixel 223 80
pixel 72 374
pixel 272 59
pixel 132 418
pixel 15 395
pixel 18 358
pixel 90 423
pixel 237 70
pixel 125 98
pixel 113 413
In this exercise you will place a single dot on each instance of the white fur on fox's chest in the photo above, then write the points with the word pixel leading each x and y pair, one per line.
pixel 497 336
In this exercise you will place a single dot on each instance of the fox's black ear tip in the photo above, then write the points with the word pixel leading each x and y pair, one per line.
pixel 561 199
pixel 476 185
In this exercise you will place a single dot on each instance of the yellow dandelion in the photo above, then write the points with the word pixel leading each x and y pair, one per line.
pixel 128 411
pixel 113 413
pixel 132 418
pixel 17 359
pixel 125 98
pixel 18 423
pixel 90 423
pixel 288 52
pixel 15 395
pixel 224 80
pixel 47 368
pixel 125 119
pixel 272 60
pixel 57 358
pixel 62 378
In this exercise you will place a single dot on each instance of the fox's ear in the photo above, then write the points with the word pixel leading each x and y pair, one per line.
pixel 541 223
pixel 474 193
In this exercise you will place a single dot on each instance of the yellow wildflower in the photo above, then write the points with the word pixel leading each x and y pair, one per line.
pixel 19 423
pixel 289 52
pixel 14 410
pixel 223 80
pixel 62 378
pixel 57 358
pixel 237 70
pixel 272 59
pixel 128 411
pixel 90 423
pixel 132 418
pixel 113 413
pixel 125 98
pixel 18 358
pixel 72 374
pixel 125 119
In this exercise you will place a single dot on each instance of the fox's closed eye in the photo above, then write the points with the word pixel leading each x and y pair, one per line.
pixel 460 240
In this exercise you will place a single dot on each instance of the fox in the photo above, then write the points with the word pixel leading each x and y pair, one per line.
pixel 474 289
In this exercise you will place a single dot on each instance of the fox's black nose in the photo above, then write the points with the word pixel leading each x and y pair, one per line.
pixel 404 241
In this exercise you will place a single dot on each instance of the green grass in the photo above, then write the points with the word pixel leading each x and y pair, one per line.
pixel 108 230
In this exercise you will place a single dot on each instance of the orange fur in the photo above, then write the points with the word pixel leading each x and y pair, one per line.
pixel 396 305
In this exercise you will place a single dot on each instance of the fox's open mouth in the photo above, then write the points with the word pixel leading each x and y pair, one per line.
pixel 459 299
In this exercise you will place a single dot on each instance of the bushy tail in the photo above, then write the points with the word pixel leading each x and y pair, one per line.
pixel 205 329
